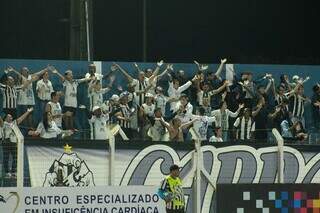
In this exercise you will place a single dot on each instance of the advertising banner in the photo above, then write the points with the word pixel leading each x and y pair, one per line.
pixel 147 164
pixel 247 198
pixel 120 199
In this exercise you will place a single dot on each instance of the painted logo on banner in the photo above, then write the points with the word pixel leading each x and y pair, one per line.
pixel 233 164
pixel 69 170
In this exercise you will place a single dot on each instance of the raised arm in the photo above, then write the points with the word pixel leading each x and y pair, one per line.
pixel 247 89
pixel 268 85
pixel 36 76
pixel 137 67
pixel 305 80
pixel 274 114
pixel 82 80
pixel 11 69
pixel 55 71
pixel 186 125
pixel 164 123
pixel 125 73
pixel 187 84
pixel 219 70
pixel 236 113
pixel 273 87
pixel 24 115
pixel 156 71
pixel 120 116
pixel 255 113
pixel 290 93
pixel 225 84
pixel 168 68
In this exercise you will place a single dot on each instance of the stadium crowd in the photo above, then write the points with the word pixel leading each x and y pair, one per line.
pixel 159 104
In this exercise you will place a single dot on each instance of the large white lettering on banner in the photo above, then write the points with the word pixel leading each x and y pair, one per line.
pixel 129 199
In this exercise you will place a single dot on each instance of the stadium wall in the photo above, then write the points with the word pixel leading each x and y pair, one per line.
pixel 146 163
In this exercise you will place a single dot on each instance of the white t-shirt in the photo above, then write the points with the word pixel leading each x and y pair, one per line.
pixel 201 125
pixel 8 131
pixel 172 92
pixel 44 90
pixel 96 97
pixel 157 131
pixel 26 95
pixel 152 84
pixel 98 77
pixel 222 118
pixel 98 126
pixel 215 139
pixel 160 102
pixel 56 110
pixel 52 132
pixel 188 107
pixel 148 109
pixel 70 93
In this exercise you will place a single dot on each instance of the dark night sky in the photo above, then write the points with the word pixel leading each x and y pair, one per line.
pixel 246 31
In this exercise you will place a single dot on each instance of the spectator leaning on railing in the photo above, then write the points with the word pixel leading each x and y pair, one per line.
pixel 10 139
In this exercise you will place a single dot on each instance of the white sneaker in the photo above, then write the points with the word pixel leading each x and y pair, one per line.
pixel 8 175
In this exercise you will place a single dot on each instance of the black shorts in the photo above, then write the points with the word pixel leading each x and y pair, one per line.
pixel 69 109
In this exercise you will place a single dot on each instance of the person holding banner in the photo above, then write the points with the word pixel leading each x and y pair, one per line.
pixel 171 191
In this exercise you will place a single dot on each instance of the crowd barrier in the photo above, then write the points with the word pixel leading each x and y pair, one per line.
pixel 47 163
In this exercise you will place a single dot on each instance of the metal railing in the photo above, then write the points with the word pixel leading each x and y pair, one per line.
pixel 197 168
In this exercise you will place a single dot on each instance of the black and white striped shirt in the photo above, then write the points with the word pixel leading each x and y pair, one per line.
pixel 9 96
pixel 140 86
pixel 125 110
pixel 296 105
pixel 280 99
pixel 245 127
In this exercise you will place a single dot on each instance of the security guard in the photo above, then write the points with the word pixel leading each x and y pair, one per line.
pixel 171 191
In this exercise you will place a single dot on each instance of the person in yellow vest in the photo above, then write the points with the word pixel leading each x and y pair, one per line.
pixel 171 191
